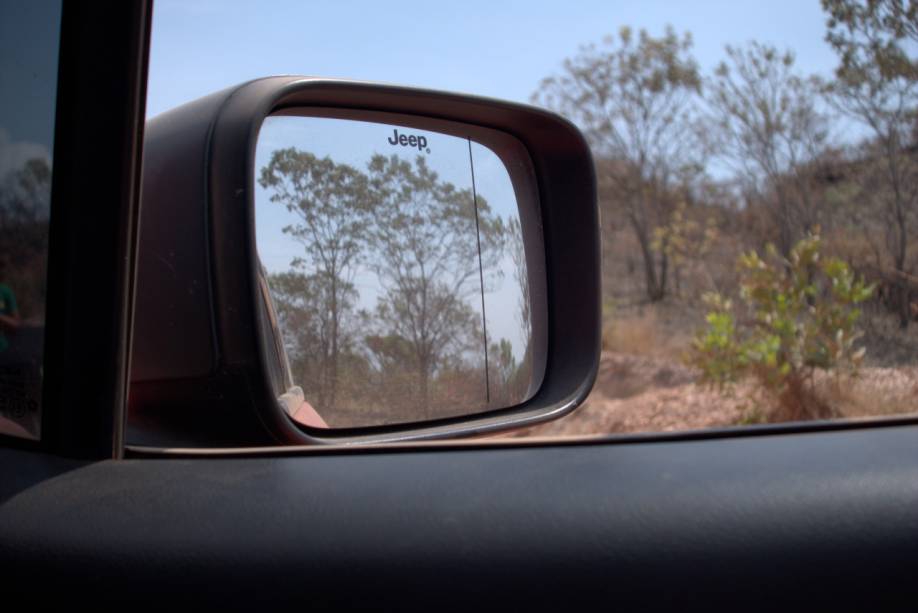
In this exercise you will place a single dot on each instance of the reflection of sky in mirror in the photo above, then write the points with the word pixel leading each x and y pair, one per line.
pixel 355 143
pixel 346 142
pixel 29 33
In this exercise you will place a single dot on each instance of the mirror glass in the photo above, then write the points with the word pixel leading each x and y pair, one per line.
pixel 404 260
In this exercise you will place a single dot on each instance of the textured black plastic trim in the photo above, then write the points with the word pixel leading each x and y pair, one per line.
pixel 814 520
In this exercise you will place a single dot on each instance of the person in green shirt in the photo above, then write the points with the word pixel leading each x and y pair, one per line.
pixel 9 315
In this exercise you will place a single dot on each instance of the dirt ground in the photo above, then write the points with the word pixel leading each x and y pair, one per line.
pixel 636 393
pixel 643 394
pixel 643 383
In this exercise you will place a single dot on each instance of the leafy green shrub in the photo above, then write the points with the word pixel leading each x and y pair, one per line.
pixel 795 316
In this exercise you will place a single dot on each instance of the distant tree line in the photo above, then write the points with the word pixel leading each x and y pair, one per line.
pixel 694 164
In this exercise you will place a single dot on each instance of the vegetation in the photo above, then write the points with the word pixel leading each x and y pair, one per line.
pixel 25 200
pixel 424 235
pixel 769 129
pixel 808 181
pixel 876 84
pixel 331 205
pixel 636 99
pixel 797 315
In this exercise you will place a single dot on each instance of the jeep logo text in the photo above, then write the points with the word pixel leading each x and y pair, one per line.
pixel 408 141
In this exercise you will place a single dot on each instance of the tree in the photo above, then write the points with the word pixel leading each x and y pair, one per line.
pixel 299 311
pixel 393 377
pixel 510 378
pixel 876 83
pixel 873 30
pixel 430 263
pixel 769 127
pixel 25 195
pixel 25 199
pixel 683 238
pixel 503 373
pixel 635 99
pixel 797 315
pixel 331 204
pixel 307 328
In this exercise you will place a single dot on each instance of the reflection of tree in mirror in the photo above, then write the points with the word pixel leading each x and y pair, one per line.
pixel 303 306
pixel 424 237
pixel 510 377
pixel 329 201
pixel 25 196
pixel 502 372
pixel 520 272
pixel 420 250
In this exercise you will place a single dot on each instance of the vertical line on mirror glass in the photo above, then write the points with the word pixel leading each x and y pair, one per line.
pixel 484 319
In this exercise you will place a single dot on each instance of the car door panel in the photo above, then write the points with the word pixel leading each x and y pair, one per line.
pixel 822 518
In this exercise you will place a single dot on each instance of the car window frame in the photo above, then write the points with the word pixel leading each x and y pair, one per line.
pixel 98 138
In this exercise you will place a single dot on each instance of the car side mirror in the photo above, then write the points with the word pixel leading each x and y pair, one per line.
pixel 335 261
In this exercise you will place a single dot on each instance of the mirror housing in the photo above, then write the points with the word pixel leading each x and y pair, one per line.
pixel 207 356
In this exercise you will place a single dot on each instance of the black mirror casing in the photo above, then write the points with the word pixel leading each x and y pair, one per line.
pixel 205 366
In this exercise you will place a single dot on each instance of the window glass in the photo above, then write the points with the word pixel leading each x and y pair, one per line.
pixel 29 42
pixel 757 166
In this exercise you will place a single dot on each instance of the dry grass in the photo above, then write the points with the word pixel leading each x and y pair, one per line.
pixel 887 344
pixel 642 394
pixel 637 335
pixel 874 392
pixel 660 331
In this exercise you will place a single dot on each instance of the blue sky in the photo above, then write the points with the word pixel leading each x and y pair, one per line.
pixel 29 33
pixel 499 49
